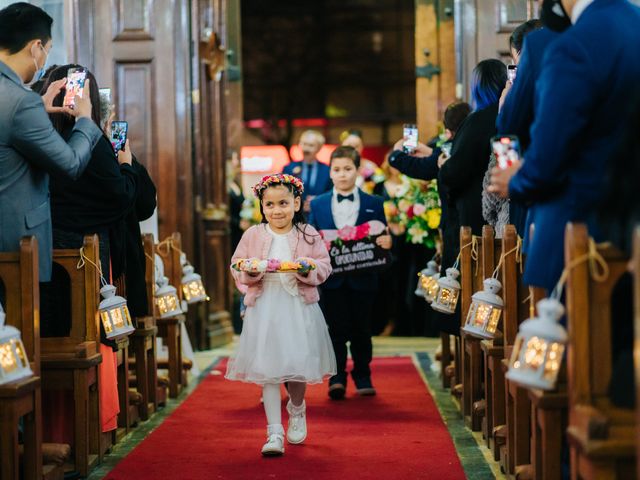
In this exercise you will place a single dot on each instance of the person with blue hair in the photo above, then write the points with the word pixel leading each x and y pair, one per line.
pixel 462 173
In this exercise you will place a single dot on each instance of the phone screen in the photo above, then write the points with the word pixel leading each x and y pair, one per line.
pixel 506 149
pixel 74 86
pixel 105 95
pixel 446 148
pixel 410 134
pixel 511 72
pixel 119 135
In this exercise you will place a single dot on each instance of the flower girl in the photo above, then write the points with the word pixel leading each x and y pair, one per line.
pixel 284 338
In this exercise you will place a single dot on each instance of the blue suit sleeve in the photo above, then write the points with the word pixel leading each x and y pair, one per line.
pixel 516 113
pixel 416 167
pixel 379 209
pixel 311 218
pixel 564 101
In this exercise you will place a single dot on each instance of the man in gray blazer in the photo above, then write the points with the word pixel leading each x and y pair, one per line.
pixel 30 148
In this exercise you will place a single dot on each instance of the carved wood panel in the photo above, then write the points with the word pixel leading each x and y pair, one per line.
pixel 133 19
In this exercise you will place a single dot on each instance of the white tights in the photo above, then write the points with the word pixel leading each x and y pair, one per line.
pixel 271 399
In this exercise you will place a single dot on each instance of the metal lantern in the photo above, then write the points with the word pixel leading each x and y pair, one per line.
pixel 486 308
pixel 428 277
pixel 114 314
pixel 539 347
pixel 448 292
pixel 14 363
pixel 192 286
pixel 167 299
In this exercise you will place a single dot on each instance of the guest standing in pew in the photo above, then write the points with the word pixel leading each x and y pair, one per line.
pixel 313 173
pixel 347 299
pixel 581 106
pixel 515 117
pixel 284 338
pixel 30 148
pixel 425 166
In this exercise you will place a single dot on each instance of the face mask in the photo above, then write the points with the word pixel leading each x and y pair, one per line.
pixel 39 71
pixel 554 16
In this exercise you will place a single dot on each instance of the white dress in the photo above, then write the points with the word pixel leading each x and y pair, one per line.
pixel 283 338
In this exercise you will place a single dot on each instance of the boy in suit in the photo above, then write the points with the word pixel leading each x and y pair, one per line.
pixel 347 299
pixel 314 175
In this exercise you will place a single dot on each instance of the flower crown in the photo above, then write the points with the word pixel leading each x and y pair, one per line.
pixel 278 179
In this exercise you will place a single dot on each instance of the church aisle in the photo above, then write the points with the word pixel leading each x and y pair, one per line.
pixel 218 431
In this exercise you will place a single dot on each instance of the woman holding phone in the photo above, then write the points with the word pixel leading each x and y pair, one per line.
pixel 96 203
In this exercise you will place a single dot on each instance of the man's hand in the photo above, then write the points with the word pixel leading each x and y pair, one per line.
pixel 51 93
pixel 442 159
pixel 82 106
pixel 420 151
pixel 124 156
pixel 500 179
pixel 505 91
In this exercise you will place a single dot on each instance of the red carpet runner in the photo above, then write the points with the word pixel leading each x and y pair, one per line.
pixel 218 431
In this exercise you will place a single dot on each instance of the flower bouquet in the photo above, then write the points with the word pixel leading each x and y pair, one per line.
pixel 273 265
pixel 416 210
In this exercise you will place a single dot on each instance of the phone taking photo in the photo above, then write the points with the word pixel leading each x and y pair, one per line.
pixel 506 149
pixel 410 134
pixel 74 86
pixel 511 72
pixel 119 132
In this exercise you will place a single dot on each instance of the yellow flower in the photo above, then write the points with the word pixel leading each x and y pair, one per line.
pixel 433 217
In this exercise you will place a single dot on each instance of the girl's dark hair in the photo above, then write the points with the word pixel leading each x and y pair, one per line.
pixel 298 217
pixel 487 83
pixel 62 121
pixel 516 40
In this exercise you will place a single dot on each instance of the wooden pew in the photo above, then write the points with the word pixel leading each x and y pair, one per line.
pixel 492 350
pixel 471 277
pixel 170 329
pixel 21 398
pixel 71 362
pixel 636 343
pixel 601 436
pixel 512 441
pixel 144 362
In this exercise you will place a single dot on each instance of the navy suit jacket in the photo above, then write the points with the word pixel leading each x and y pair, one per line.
pixel 371 208
pixel 581 103
pixel 323 181
pixel 516 114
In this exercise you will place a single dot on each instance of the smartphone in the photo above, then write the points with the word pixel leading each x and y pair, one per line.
pixel 105 95
pixel 446 148
pixel 119 135
pixel 511 72
pixel 506 149
pixel 410 134
pixel 75 86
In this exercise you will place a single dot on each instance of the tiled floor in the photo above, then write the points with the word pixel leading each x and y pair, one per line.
pixel 475 457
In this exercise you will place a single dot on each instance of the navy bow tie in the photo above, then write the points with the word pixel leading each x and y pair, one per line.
pixel 349 197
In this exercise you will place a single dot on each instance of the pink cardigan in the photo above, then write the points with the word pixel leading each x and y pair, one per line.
pixel 255 243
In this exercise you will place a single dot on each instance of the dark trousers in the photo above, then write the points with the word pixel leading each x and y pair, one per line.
pixel 348 314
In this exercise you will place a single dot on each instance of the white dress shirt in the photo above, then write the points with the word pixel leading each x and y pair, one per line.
pixel 345 212
pixel 579 8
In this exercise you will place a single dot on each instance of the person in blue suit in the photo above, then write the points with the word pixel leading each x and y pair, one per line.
pixel 314 175
pixel 581 107
pixel 516 113
pixel 347 299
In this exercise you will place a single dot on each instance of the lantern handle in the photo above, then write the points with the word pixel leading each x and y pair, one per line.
pixel 595 260
pixel 474 251
pixel 84 259
pixel 518 251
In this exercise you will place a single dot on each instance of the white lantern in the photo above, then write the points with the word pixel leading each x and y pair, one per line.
pixel 425 277
pixel 539 348
pixel 14 364
pixel 484 313
pixel 167 299
pixel 448 292
pixel 114 314
pixel 192 286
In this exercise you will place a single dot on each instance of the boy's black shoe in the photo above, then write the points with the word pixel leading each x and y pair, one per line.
pixel 364 387
pixel 337 387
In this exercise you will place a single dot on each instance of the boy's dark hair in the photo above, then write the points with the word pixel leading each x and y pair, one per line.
pixel 21 23
pixel 516 40
pixel 455 114
pixel 346 152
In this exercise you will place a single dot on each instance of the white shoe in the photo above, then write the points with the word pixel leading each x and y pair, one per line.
pixel 275 441
pixel 297 428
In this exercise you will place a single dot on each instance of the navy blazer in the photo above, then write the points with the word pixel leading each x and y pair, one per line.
pixel 321 217
pixel 323 181
pixel 581 100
